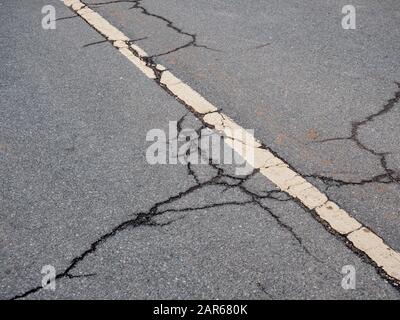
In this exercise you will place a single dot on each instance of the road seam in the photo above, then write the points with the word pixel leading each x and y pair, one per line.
pixel 361 238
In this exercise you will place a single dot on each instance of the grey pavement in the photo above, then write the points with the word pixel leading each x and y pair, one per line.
pixel 76 189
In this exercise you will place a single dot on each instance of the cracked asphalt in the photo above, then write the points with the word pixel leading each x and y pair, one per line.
pixel 76 189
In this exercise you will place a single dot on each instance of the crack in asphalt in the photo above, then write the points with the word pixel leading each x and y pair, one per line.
pixel 334 182
pixel 67 18
pixel 94 43
pixel 137 4
pixel 390 176
pixel 255 198
pixel 147 218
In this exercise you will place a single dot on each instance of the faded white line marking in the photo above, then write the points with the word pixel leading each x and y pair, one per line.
pixel 272 167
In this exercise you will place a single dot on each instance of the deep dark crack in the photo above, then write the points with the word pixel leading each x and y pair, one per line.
pixel 95 43
pixel 390 176
pixel 137 5
pixel 334 182
pixel 67 18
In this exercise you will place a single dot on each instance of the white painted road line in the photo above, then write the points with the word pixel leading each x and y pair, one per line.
pixel 272 167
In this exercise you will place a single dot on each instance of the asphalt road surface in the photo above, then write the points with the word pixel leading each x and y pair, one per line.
pixel 78 193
